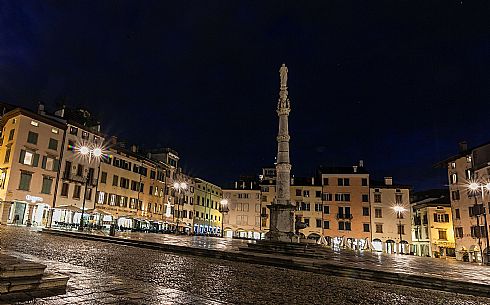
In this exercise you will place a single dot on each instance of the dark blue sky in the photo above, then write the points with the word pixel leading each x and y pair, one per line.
pixel 397 84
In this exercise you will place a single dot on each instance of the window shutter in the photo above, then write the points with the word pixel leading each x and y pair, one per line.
pixel 43 163
pixel 446 217
pixel 435 217
pixel 22 156
pixel 56 165
pixel 35 160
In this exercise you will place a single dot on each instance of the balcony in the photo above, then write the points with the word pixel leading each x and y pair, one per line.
pixel 76 178
pixel 343 216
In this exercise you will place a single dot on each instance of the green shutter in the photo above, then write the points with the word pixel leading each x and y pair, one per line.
pixel 35 161
pixel 43 163
pixel 22 156
pixel 56 165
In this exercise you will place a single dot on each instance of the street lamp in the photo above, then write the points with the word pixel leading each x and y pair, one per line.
pixel 95 153
pixel 399 210
pixel 179 188
pixel 478 210
pixel 224 210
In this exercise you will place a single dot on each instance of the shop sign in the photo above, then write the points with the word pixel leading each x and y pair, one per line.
pixel 34 199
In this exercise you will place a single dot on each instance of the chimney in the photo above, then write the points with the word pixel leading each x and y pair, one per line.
pixel 354 168
pixel 361 163
pixel 388 181
pixel 312 180
pixel 463 146
pixel 40 108
pixel 134 148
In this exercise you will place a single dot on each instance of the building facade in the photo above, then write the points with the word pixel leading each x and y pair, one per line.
pixel 390 217
pixel 432 224
pixel 207 208
pixel 469 207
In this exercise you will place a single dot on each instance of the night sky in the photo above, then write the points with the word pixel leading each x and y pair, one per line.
pixel 397 84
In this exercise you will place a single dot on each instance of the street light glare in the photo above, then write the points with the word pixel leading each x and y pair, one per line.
pixel 97 152
pixel 84 150
pixel 176 185
pixel 224 202
pixel 183 185
pixel 473 186
pixel 399 208
pixel 487 186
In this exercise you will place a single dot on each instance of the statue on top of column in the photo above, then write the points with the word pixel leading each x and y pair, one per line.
pixel 283 71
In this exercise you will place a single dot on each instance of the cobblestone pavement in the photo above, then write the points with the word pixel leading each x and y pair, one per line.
pixel 408 264
pixel 104 273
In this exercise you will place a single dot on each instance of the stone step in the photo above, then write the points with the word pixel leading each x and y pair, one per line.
pixel 13 267
pixel 46 282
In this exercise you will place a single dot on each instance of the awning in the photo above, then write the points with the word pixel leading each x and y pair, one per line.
pixel 98 211
pixel 70 208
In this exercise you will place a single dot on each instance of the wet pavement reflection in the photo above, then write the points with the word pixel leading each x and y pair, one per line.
pixel 105 273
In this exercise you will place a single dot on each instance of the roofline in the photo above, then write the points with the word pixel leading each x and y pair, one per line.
pixel 33 115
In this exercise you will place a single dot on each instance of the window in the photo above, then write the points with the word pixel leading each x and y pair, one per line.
pixel 73 130
pixel 326 224
pixel 53 144
pixel 101 197
pixel 377 198
pixel 441 217
pixel 379 228
pixel 64 189
pixel 401 229
pixel 85 135
pixel 306 221
pixel 478 231
pixel 318 194
pixel 76 191
pixel 306 193
pixel 318 207
pixel 29 158
pixel 365 198
pixel 364 182
pixel 46 187
pixel 71 146
pixel 458 216
pixel 298 193
pixel 455 195
pixel 7 155
pixel 342 197
pixel 365 227
pixel 454 178
pixel 25 181
pixel 54 130
pixel 32 137
pixel 398 198
pixel 11 134
pixel 378 213
pixel 365 212
pixel 453 165
pixel 326 209
pixel 303 206
pixel 343 181
pixel 458 231
pixel 327 197
pixel 443 234
pixel 318 223
pixel 325 181
pixel 115 180
pixel 103 177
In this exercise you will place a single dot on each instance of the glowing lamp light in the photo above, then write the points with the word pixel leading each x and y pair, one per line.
pixel 399 208
pixel 84 150
pixel 176 185
pixel 473 186
pixel 224 202
pixel 97 152
pixel 183 185
pixel 487 186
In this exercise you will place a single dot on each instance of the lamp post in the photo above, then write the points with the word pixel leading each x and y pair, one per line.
pixel 95 153
pixel 399 210
pixel 179 188
pixel 481 210
pixel 224 210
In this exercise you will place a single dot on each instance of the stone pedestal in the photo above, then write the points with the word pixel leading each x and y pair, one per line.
pixel 281 223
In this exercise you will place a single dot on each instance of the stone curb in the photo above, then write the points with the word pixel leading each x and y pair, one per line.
pixel 298 263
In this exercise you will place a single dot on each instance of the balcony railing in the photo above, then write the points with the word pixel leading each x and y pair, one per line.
pixel 77 178
pixel 343 216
